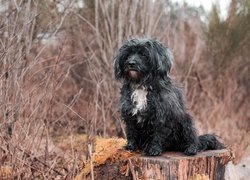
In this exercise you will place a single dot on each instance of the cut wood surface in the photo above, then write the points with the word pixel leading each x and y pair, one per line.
pixel 172 165
pixel 122 164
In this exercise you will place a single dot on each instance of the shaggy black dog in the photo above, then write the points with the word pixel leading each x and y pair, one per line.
pixel 151 106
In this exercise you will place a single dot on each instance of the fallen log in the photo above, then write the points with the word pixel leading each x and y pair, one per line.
pixel 122 164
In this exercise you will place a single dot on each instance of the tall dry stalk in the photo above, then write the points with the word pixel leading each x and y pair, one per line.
pixel 31 85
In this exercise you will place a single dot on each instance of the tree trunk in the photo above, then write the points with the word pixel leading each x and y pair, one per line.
pixel 171 165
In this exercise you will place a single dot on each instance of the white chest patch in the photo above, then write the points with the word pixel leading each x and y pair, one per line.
pixel 139 98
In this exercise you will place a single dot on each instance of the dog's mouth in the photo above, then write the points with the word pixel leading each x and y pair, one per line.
pixel 134 74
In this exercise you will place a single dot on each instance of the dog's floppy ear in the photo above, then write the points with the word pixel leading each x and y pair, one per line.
pixel 117 67
pixel 164 59
pixel 118 62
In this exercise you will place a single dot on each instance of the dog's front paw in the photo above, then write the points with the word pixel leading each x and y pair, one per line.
pixel 131 146
pixel 191 150
pixel 153 151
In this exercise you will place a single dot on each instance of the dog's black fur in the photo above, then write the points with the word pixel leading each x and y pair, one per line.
pixel 151 106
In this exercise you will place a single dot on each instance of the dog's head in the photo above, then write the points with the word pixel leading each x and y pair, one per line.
pixel 142 61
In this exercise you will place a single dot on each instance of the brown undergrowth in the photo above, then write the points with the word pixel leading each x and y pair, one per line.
pixel 57 81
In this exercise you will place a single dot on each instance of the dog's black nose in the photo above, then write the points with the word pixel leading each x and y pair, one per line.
pixel 131 63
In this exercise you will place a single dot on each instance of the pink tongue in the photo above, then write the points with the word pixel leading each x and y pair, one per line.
pixel 134 74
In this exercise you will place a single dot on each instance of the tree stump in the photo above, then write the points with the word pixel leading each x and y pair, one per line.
pixel 122 164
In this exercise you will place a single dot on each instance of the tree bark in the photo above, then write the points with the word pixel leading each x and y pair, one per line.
pixel 171 165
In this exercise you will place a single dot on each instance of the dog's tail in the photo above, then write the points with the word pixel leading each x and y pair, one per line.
pixel 209 142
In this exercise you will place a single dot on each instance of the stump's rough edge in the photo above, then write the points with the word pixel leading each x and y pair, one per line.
pixel 171 165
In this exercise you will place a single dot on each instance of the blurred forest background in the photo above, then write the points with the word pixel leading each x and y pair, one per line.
pixel 57 81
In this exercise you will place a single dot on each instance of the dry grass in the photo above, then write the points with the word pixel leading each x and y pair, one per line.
pixel 52 92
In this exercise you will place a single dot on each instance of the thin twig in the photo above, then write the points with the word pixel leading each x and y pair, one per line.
pixel 91 160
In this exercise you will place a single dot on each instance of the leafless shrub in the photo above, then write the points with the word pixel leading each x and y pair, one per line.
pixel 31 86
pixel 56 77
